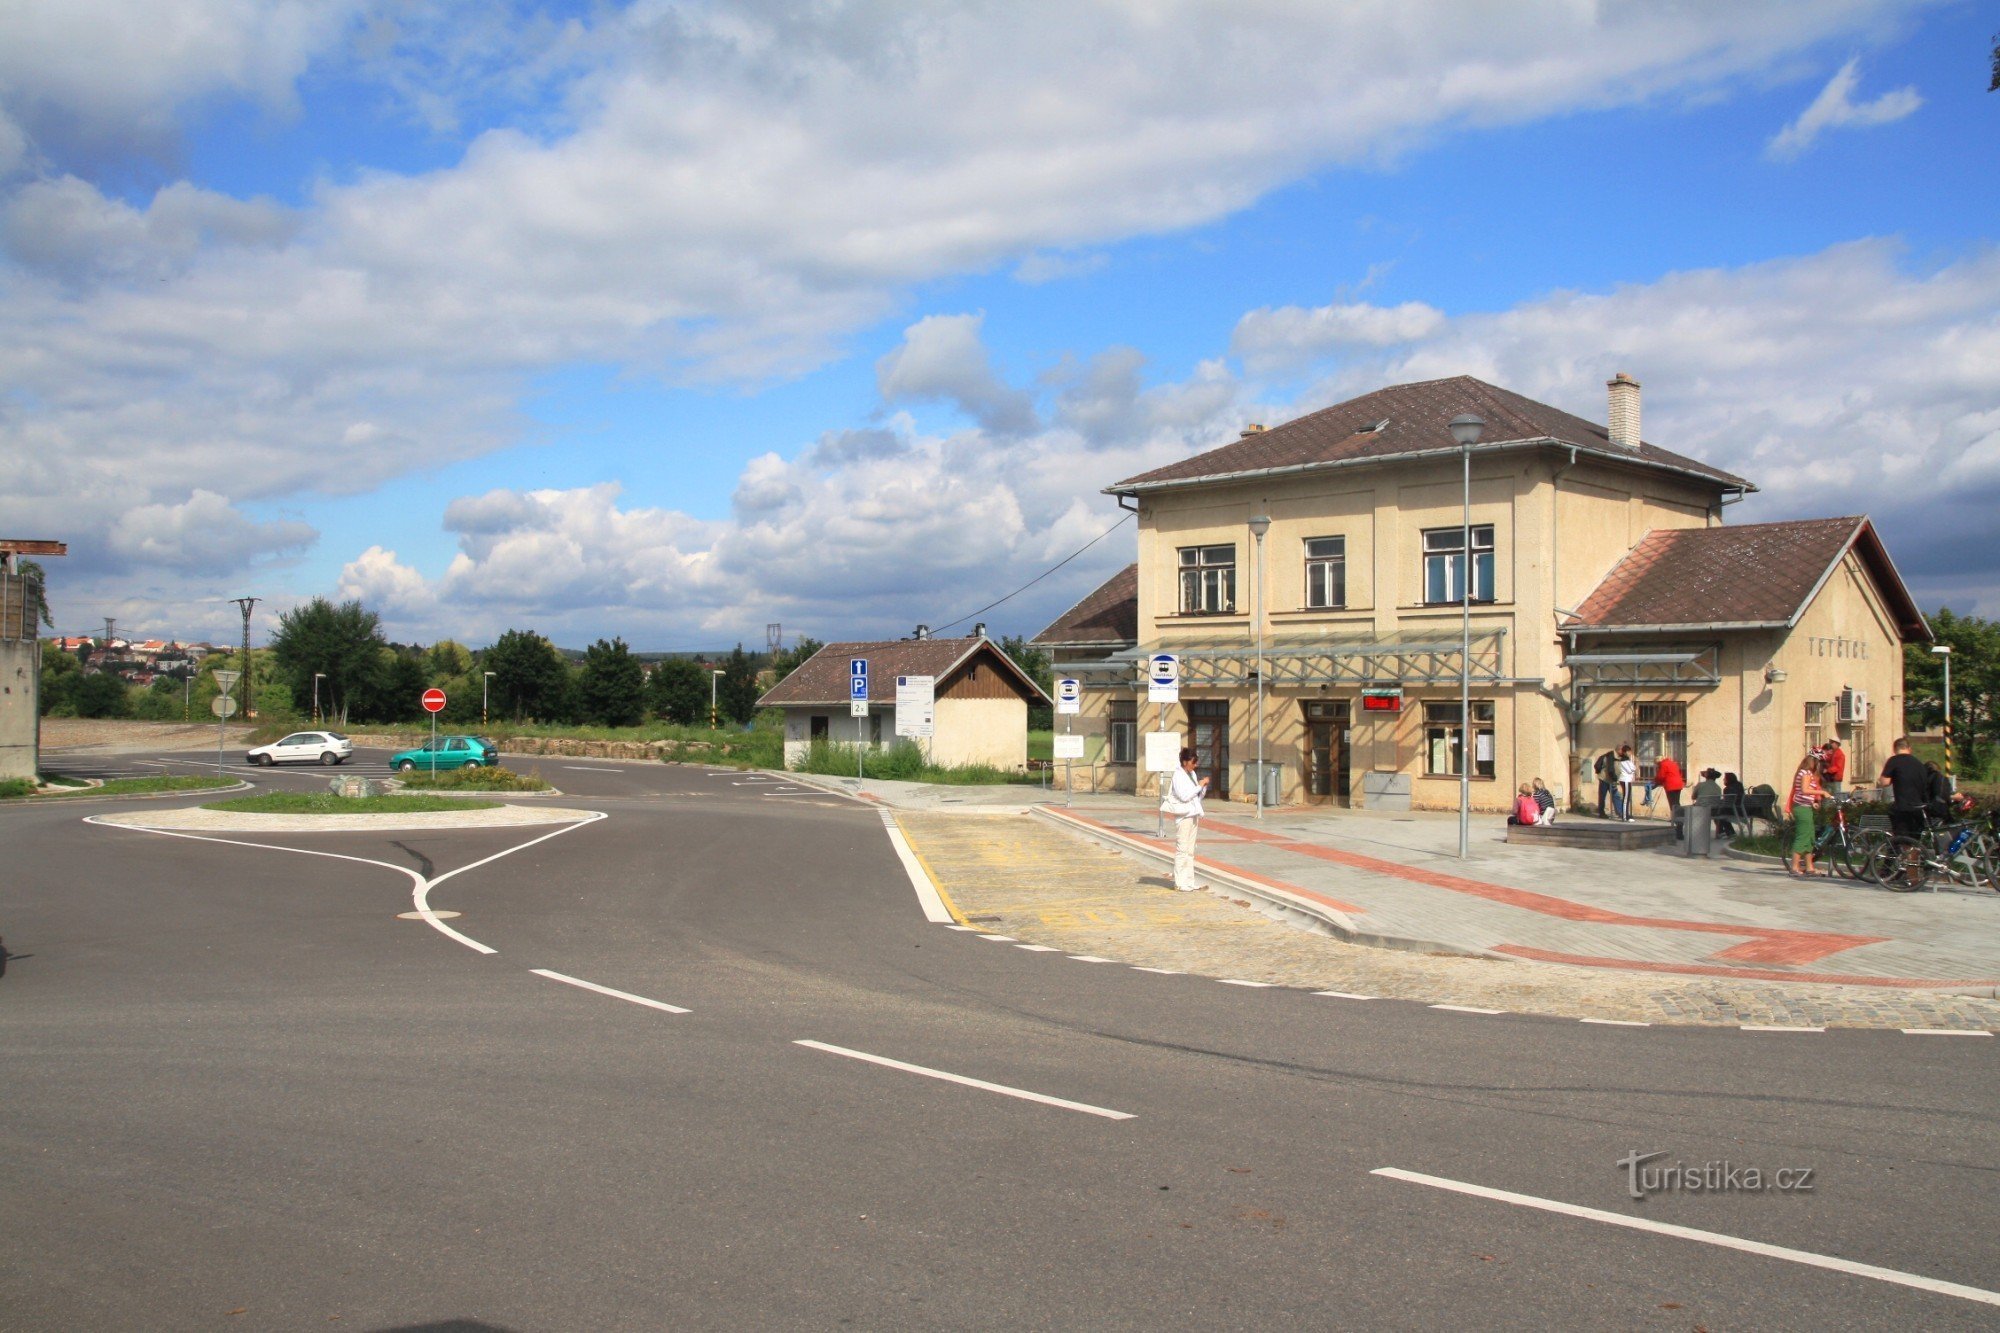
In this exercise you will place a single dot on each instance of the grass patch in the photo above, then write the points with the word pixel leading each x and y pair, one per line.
pixel 904 762
pixel 326 803
pixel 474 779
pixel 16 787
pixel 1763 844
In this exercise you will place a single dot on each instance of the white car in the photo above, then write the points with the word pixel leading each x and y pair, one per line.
pixel 304 747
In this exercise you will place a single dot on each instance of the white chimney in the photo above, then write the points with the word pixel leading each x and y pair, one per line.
pixel 1624 418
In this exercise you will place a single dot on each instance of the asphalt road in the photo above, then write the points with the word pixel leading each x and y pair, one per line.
pixel 241 1092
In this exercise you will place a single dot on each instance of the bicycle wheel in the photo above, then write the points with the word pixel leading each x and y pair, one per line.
pixel 1897 864
pixel 1850 858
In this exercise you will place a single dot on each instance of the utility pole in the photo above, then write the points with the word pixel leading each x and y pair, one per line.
pixel 110 628
pixel 246 603
pixel 774 637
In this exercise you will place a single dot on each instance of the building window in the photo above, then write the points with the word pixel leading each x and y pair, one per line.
pixel 1208 580
pixel 1124 731
pixel 1326 572
pixel 1444 739
pixel 1659 729
pixel 1815 726
pixel 1444 564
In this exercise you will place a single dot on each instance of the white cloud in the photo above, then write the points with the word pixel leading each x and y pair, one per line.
pixel 204 533
pixel 1270 340
pixel 1835 108
pixel 942 357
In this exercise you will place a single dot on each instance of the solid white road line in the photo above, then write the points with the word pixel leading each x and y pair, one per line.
pixel 1343 995
pixel 1806 1257
pixel 591 768
pixel 981 1084
pixel 606 990
pixel 1615 1022
pixel 1759 1027
pixel 1466 1009
pixel 920 880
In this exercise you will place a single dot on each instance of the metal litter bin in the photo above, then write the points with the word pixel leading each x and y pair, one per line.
pixel 1697 829
pixel 1274 781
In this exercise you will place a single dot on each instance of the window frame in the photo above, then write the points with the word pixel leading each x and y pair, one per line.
pixel 1332 565
pixel 1659 727
pixel 1443 724
pixel 1122 732
pixel 1202 572
pixel 1446 547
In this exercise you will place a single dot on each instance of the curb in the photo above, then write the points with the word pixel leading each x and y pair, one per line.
pixel 89 794
pixel 1270 900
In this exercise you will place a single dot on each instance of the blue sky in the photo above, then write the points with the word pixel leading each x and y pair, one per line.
pixel 670 320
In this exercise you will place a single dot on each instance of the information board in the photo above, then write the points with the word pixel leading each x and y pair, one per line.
pixel 1163 751
pixel 1069 747
pixel 1163 679
pixel 916 699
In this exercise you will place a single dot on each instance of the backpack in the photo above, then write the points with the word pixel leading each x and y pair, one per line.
pixel 1607 766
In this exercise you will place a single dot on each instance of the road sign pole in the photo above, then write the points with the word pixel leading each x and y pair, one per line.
pixel 434 747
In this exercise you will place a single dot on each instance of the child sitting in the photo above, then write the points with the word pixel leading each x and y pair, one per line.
pixel 1545 803
pixel 1525 809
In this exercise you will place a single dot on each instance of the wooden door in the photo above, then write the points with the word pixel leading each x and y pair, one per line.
pixel 1208 723
pixel 1326 737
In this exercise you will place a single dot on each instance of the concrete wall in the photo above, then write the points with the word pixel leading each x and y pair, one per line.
pixel 20 710
pixel 968 731
pixel 878 728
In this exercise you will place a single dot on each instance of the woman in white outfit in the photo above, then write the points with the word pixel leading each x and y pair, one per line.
pixel 1183 802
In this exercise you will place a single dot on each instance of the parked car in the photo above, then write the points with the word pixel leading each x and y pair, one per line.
pixel 452 752
pixel 304 747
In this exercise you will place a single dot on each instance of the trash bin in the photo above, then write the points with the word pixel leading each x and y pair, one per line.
pixel 1274 781
pixel 1697 829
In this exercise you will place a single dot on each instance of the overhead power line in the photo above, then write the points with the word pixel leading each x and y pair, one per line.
pixel 1039 577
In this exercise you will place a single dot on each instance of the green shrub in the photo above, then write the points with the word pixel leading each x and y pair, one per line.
pixel 326 803
pixel 11 788
pixel 475 779
pixel 904 762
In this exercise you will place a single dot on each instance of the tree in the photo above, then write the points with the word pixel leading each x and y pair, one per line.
pixel 736 692
pixel 38 598
pixel 530 679
pixel 448 658
pixel 101 695
pixel 61 674
pixel 396 689
pixel 791 659
pixel 1975 684
pixel 342 643
pixel 611 690
pixel 679 692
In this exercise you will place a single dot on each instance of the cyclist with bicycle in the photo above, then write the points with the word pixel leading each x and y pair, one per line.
pixel 1909 790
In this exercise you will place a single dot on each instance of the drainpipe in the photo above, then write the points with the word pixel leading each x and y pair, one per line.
pixel 1572 721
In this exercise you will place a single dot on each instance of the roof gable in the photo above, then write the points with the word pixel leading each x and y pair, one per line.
pixel 1411 420
pixel 822 679
pixel 1107 615
pixel 1758 575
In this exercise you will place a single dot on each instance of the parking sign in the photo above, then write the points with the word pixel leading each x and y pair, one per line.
pixel 857 679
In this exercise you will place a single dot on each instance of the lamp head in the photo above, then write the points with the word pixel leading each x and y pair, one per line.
pixel 1467 429
pixel 1259 525
pixel 1941 649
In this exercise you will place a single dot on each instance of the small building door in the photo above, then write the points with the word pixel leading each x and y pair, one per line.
pixel 1208 720
pixel 819 725
pixel 1327 734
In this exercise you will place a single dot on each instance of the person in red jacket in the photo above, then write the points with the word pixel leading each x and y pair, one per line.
pixel 1833 767
pixel 1672 781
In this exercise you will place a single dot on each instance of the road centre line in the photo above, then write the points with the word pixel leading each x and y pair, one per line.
pixel 606 990
pixel 961 1079
pixel 1806 1257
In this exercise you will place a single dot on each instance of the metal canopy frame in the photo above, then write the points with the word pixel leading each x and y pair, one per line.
pixel 1688 667
pixel 1383 660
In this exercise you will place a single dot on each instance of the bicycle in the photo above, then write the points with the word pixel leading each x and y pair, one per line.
pixel 1842 843
pixel 1964 852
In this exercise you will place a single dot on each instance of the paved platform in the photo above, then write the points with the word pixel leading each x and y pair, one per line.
pixel 1397 877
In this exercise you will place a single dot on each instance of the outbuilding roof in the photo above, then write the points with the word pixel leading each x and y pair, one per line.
pixel 822 679
pixel 1409 420
pixel 1753 576
pixel 1108 615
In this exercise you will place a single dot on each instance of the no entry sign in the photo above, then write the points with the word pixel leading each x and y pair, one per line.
pixel 433 701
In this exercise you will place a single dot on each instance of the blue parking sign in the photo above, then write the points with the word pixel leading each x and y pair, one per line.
pixel 857 669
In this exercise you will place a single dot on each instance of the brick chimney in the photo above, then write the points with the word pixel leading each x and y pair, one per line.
pixel 1624 418
pixel 1254 428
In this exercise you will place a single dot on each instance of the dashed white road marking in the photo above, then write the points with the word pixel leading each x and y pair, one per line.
pixel 998 939
pixel 1231 981
pixel 1039 948
pixel 592 768
pixel 1343 995
pixel 1160 971
pixel 1466 1009
pixel 1087 958
pixel 949 926
pixel 1946 1032
pixel 1615 1022
pixel 1758 1247
pixel 606 990
pixel 961 1079
pixel 1767 1027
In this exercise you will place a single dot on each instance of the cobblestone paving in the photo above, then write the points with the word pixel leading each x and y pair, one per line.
pixel 1014 875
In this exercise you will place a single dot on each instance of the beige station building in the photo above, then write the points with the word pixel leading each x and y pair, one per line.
pixel 1610 603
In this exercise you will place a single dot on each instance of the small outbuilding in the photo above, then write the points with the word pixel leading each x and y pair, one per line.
pixel 979 710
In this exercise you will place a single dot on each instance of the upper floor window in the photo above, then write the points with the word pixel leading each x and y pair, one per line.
pixel 1208 580
pixel 1444 564
pixel 1326 571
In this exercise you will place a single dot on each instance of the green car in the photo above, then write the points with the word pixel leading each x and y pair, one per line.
pixel 451 752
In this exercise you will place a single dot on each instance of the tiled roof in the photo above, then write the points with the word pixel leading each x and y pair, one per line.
pixel 1108 615
pixel 823 677
pixel 1418 421
pixel 1755 574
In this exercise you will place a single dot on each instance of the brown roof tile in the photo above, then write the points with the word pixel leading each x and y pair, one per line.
pixel 1755 574
pixel 1108 615
pixel 822 678
pixel 1418 418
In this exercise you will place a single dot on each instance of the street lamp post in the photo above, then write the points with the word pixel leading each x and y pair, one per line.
pixel 318 676
pixel 485 679
pixel 1259 525
pixel 1466 430
pixel 1944 650
pixel 713 676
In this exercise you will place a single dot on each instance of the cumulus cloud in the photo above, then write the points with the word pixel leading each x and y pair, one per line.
pixel 204 533
pixel 1270 340
pixel 943 357
pixel 1835 108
